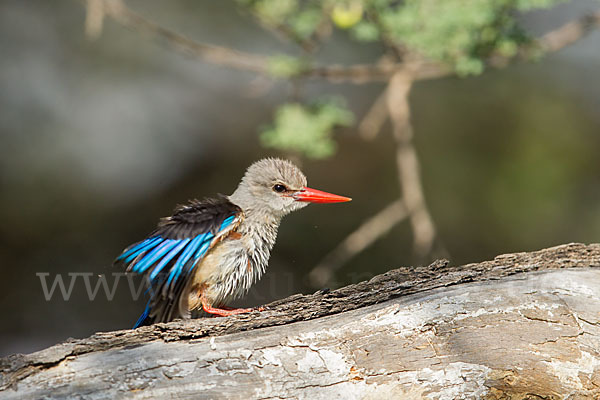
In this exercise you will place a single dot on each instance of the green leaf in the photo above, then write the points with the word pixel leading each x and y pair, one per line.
pixel 284 66
pixel 275 11
pixel 305 23
pixel 365 31
pixel 468 66
pixel 307 129
pixel 508 48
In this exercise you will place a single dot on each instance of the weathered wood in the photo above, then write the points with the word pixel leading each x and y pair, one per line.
pixel 519 326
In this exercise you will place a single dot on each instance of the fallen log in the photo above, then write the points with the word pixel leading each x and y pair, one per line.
pixel 522 326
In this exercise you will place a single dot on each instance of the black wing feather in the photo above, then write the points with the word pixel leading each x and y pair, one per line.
pixel 197 217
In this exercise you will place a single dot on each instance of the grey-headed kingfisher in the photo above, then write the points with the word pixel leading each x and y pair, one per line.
pixel 210 252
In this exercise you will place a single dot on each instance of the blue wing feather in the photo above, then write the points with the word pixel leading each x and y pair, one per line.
pixel 227 222
pixel 202 250
pixel 165 260
pixel 150 258
pixel 185 257
pixel 189 250
pixel 137 249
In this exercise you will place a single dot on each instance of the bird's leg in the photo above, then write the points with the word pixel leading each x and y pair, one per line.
pixel 227 308
pixel 222 312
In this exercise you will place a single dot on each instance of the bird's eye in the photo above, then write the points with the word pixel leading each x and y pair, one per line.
pixel 279 188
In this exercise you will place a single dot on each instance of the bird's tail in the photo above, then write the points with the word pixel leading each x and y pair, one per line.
pixel 164 303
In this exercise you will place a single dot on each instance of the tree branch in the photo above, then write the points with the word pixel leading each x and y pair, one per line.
pixel 360 73
pixel 219 55
pixel 94 19
pixel 408 163
pixel 410 329
pixel 374 119
pixel 393 102
pixel 569 33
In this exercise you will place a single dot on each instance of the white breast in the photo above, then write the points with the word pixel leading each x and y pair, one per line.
pixel 229 270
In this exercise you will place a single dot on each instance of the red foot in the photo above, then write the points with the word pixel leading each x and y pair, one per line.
pixel 227 311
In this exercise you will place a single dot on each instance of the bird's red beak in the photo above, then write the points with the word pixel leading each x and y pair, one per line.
pixel 317 196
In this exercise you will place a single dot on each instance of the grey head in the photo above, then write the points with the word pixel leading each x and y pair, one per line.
pixel 270 187
pixel 273 188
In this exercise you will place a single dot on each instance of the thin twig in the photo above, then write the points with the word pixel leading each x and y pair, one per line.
pixel 324 28
pixel 374 119
pixel 357 73
pixel 94 18
pixel 569 33
pixel 369 231
pixel 283 32
pixel 408 163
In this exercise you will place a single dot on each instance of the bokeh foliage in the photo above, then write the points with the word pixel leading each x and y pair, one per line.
pixel 307 128
pixel 462 34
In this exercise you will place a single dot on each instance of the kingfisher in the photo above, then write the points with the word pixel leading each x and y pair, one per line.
pixel 211 251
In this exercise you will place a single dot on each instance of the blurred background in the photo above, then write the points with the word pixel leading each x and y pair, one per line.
pixel 104 133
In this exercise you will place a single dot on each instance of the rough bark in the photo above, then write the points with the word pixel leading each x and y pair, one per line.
pixel 522 326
